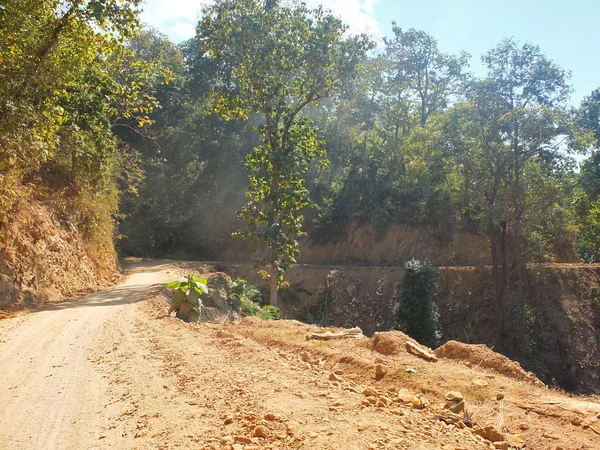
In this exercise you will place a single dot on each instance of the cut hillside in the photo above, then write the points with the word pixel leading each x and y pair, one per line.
pixel 360 243
pixel 556 331
pixel 44 254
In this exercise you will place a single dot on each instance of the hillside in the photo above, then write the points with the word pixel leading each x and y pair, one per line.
pixel 124 374
pixel 53 246
pixel 556 335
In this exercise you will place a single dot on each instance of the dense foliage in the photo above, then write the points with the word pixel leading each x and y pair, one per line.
pixel 274 107
pixel 416 313
pixel 70 76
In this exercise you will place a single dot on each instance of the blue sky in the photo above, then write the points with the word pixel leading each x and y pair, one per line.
pixel 568 32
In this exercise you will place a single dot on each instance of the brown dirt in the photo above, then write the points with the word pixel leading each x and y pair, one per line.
pixel 482 356
pixel 361 244
pixel 109 371
pixel 44 258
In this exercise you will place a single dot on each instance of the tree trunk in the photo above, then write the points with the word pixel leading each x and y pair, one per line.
pixel 273 283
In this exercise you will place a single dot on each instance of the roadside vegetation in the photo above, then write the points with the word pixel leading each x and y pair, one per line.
pixel 274 108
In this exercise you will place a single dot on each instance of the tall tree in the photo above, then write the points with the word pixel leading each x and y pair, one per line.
pixel 421 73
pixel 283 57
pixel 530 91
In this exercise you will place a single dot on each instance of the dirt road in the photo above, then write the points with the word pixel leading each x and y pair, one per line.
pixel 107 371
pixel 52 395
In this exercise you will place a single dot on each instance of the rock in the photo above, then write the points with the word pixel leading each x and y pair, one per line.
pixel 418 350
pixel 454 402
pixel 369 392
pixel 242 440
pixel 338 372
pixel 228 420
pixel 365 402
pixel 261 432
pixel 479 382
pixel 501 445
pixel 418 403
pixel 516 440
pixel 549 435
pixel 334 377
pixel 500 396
pixel 380 370
pixel 489 432
pixel 306 357
pixel 237 447
pixel 405 396
pixel 351 290
pixel 454 396
pixel 272 417
pixel 313 434
pixel 456 408
pixel 372 400
pixel 227 440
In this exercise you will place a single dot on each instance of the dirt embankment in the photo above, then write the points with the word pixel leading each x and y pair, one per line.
pixel 361 244
pixel 44 257
pixel 556 327
pixel 556 324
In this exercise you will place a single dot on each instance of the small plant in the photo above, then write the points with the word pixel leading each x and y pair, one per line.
pixel 416 313
pixel 186 299
pixel 248 299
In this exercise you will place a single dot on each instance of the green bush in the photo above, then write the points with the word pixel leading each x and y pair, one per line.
pixel 416 313
pixel 248 300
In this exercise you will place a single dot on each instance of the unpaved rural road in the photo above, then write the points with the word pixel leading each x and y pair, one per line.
pixel 51 394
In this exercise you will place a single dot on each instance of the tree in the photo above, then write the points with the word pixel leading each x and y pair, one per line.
pixel 530 92
pixel 420 71
pixel 282 58
pixel 589 114
pixel 416 313
pixel 47 47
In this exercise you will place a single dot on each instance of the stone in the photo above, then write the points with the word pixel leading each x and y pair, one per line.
pixel 501 445
pixel 334 377
pixel 243 440
pixel 228 420
pixel 516 440
pixel 456 408
pixel 369 392
pixel 272 417
pixel 306 357
pixel 227 440
pixel 479 382
pixel 380 370
pixel 454 402
pixel 237 447
pixel 261 432
pixel 313 434
pixel 489 432
pixel 500 396
pixel 454 396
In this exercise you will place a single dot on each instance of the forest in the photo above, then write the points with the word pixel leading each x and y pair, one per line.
pixel 275 121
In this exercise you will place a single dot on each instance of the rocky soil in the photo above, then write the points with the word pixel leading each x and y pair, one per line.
pixel 129 376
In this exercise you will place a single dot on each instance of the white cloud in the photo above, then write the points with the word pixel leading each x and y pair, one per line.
pixel 178 18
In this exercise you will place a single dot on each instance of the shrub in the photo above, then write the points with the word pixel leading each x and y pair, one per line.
pixel 247 299
pixel 186 299
pixel 416 313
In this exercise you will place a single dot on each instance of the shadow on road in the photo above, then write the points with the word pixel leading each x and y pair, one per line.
pixel 117 296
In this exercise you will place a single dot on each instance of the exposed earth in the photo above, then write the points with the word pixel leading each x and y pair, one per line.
pixel 112 370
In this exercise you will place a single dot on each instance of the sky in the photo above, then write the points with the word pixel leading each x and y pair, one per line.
pixel 566 31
